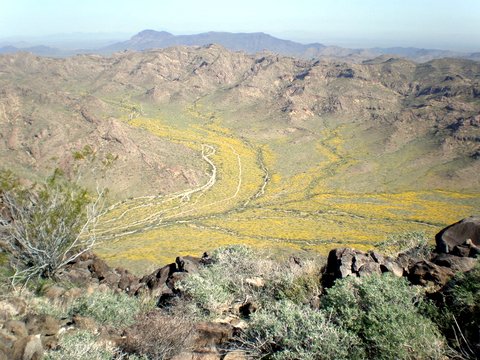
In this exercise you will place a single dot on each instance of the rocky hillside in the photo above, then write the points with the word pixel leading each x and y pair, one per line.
pixel 51 108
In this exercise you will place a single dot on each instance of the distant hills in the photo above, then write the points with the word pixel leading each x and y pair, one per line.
pixel 250 43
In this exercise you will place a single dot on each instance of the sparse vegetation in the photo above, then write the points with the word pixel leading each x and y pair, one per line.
pixel 413 242
pixel 80 345
pixel 238 274
pixel 158 336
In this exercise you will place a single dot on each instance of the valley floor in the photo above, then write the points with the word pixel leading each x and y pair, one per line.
pixel 247 199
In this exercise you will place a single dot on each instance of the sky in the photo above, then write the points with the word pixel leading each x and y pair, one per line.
pixel 444 24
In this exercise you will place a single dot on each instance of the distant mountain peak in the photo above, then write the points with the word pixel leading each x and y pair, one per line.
pixel 152 34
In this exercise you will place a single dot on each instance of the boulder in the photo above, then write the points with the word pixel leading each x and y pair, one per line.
pixel 128 282
pixel 159 277
pixel 212 334
pixel 455 263
pixel 458 234
pixel 392 267
pixel 369 268
pixel 54 292
pixel 188 264
pixel 426 273
pixel 343 262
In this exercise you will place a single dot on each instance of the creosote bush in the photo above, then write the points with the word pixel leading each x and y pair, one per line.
pixel 381 310
pixel 46 225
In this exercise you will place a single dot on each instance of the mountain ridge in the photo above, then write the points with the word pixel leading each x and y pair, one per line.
pixel 250 43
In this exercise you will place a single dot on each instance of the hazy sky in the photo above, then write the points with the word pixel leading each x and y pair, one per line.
pixel 449 24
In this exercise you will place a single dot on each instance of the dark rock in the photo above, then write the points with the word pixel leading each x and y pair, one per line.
pixel 461 250
pixel 188 264
pixel 247 309
pixel 166 298
pixel 206 259
pixel 128 282
pixel 455 263
pixel 54 292
pixel 343 262
pixel 81 264
pixel 339 263
pixel 77 276
pixel 174 279
pixel 427 273
pixel 406 261
pixel 158 277
pixel 111 279
pixel 458 233
pixel 346 73
pixel 99 269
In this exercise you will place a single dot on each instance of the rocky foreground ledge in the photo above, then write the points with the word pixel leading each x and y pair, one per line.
pixel 457 250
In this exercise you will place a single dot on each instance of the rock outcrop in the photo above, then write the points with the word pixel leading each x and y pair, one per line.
pixel 456 251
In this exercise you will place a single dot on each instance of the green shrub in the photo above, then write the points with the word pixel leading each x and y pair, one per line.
pixel 459 315
pixel 298 285
pixel 108 308
pixel 381 310
pixel 288 331
pixel 79 346
pixel 209 290
pixel 216 286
